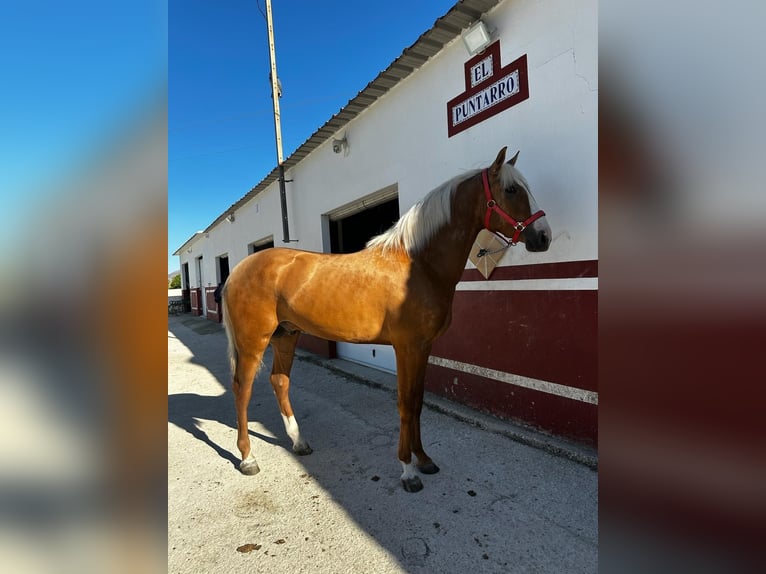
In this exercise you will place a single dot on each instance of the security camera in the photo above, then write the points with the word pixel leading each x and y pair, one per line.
pixel 340 146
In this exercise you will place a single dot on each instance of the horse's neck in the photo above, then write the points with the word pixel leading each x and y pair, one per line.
pixel 447 252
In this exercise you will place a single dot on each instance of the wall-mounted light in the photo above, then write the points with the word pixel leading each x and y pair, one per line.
pixel 189 250
pixel 230 218
pixel 476 38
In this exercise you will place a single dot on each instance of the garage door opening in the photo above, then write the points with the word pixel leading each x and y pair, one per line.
pixel 351 233
pixel 349 229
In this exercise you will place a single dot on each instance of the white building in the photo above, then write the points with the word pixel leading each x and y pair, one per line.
pixel 522 344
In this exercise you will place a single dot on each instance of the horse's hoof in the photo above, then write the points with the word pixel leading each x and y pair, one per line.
pixel 412 484
pixel 303 449
pixel 249 467
pixel 428 468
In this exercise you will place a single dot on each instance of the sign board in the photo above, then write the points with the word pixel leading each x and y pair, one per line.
pixel 489 89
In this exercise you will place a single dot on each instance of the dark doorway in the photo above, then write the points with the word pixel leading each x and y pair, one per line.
pixel 351 233
pixel 185 288
pixel 223 268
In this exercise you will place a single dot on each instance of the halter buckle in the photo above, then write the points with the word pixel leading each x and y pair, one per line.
pixel 491 203
pixel 519 226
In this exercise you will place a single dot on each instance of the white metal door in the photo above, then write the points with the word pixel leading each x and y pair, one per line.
pixel 378 356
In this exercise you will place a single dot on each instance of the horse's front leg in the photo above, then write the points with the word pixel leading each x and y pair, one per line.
pixel 411 369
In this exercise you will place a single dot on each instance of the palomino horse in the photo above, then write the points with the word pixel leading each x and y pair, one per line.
pixel 396 291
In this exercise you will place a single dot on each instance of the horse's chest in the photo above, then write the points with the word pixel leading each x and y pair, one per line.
pixel 430 316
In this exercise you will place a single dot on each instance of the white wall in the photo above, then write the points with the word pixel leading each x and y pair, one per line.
pixel 402 139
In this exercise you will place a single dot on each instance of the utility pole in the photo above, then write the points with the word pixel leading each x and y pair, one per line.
pixel 277 124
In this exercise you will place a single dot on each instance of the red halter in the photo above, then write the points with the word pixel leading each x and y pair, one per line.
pixel 493 206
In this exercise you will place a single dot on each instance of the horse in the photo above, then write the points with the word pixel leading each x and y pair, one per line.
pixel 397 291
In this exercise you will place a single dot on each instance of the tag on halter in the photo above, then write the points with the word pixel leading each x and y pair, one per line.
pixel 487 251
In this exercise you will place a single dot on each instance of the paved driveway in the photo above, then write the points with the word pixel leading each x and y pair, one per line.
pixel 497 505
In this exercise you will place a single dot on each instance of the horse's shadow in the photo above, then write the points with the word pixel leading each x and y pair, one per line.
pixel 187 410
pixel 495 500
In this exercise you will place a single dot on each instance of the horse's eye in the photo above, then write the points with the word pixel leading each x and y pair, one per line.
pixel 511 189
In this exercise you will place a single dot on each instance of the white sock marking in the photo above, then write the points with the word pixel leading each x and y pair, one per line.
pixel 291 426
pixel 408 470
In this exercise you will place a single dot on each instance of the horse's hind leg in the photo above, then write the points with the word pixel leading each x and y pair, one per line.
pixel 242 385
pixel 283 342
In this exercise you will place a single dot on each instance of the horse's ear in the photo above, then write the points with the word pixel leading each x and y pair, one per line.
pixel 512 161
pixel 498 163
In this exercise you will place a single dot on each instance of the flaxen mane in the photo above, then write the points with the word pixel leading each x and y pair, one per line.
pixel 414 229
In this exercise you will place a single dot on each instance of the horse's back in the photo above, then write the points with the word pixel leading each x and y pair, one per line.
pixel 271 268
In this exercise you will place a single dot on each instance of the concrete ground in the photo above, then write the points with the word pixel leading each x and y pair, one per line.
pixel 506 500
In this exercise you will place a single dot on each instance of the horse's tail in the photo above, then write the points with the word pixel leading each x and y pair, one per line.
pixel 232 347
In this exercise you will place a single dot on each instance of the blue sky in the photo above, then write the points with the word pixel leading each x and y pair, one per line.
pixel 220 123
pixel 77 75
pixel 72 76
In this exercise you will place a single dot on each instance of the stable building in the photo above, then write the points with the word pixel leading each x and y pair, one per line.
pixel 522 344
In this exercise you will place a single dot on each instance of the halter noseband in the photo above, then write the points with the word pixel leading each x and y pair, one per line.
pixel 493 206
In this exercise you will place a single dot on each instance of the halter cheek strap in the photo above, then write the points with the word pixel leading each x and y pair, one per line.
pixel 492 206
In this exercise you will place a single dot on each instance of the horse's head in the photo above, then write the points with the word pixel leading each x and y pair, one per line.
pixel 511 208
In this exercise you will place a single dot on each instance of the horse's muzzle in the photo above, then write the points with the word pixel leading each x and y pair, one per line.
pixel 537 240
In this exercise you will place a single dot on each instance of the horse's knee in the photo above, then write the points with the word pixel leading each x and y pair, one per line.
pixel 280 383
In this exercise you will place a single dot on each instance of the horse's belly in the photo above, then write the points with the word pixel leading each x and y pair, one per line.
pixel 341 298
pixel 341 314
pixel 337 326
